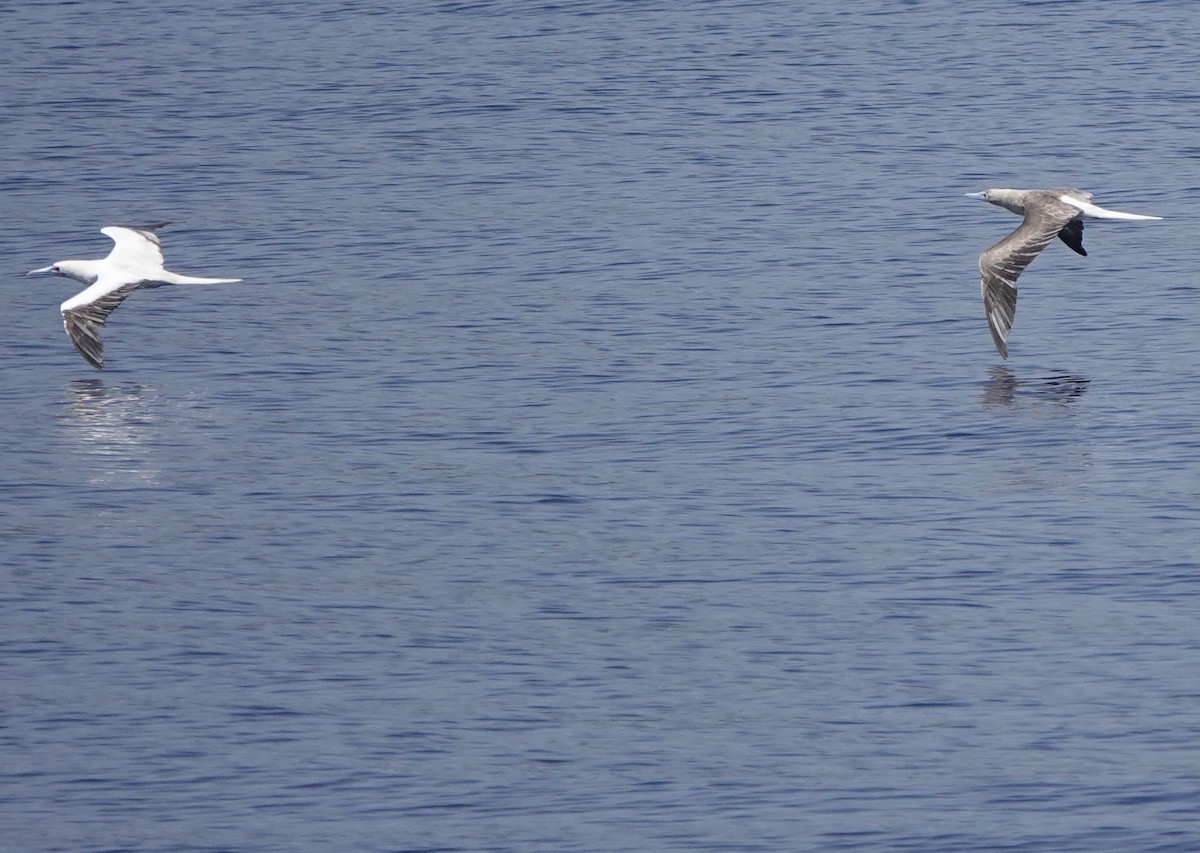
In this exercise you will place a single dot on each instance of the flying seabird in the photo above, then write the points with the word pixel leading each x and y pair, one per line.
pixel 136 261
pixel 1057 212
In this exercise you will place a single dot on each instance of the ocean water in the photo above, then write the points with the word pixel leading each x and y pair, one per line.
pixel 605 449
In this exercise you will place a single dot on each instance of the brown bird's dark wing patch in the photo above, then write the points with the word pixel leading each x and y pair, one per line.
pixel 1072 235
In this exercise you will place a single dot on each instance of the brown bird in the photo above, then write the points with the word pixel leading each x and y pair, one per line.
pixel 1057 212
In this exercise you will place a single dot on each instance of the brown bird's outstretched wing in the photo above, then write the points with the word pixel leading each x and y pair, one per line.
pixel 1003 263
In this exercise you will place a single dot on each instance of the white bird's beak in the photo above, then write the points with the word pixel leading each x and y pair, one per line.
pixel 980 196
pixel 43 271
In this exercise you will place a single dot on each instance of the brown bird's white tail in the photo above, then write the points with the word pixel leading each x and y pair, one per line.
pixel 1095 211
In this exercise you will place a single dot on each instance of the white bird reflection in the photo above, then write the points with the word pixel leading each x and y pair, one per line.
pixel 1004 389
pixel 110 425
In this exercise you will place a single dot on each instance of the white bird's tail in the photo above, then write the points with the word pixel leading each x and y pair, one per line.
pixel 175 278
pixel 1095 211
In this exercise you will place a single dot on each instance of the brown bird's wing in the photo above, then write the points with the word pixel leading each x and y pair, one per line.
pixel 1072 235
pixel 1003 263
pixel 83 323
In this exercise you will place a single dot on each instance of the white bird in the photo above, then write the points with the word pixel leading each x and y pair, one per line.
pixel 1057 212
pixel 136 261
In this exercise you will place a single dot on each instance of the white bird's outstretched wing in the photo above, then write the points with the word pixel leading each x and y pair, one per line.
pixel 83 320
pixel 135 247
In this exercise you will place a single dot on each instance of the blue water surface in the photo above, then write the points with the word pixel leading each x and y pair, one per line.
pixel 605 450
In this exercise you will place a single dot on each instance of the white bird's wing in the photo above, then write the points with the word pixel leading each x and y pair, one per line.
pixel 1003 263
pixel 83 319
pixel 135 247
